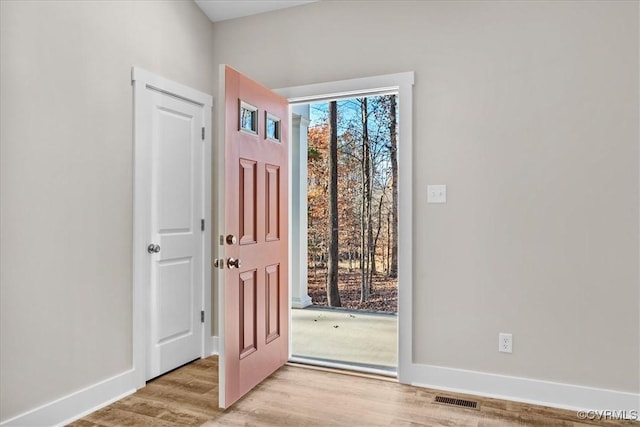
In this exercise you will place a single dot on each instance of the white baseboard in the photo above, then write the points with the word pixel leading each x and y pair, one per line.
pixel 216 346
pixel 78 404
pixel 545 393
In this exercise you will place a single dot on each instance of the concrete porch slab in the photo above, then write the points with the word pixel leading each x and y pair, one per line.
pixel 346 336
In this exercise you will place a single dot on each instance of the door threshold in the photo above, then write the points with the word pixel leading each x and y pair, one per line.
pixel 359 369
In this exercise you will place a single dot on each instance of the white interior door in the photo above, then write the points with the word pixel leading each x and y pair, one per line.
pixel 175 328
pixel 170 132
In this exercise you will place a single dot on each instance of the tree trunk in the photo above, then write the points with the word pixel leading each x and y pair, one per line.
pixel 393 134
pixel 388 243
pixel 366 285
pixel 375 240
pixel 363 233
pixel 333 295
pixel 369 170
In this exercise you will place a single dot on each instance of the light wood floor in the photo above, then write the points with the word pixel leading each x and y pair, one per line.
pixel 297 396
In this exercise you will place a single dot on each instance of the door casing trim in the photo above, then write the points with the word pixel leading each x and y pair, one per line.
pixel 141 80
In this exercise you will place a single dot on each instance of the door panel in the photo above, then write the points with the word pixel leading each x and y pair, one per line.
pixel 174 171
pixel 248 200
pixel 248 315
pixel 177 182
pixel 173 295
pixel 272 301
pixel 254 324
pixel 272 211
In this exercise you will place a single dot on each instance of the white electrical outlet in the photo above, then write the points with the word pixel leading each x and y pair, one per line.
pixel 505 343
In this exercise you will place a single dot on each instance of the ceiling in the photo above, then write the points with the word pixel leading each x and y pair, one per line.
pixel 221 10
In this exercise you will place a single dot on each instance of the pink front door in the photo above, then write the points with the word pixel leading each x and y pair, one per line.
pixel 256 318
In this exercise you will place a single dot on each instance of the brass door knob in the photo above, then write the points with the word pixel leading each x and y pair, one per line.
pixel 234 263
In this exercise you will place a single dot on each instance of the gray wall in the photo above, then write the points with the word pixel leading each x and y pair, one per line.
pixel 528 111
pixel 66 181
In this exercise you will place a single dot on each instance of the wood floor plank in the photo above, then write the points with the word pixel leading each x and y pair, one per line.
pixel 296 396
pixel 85 423
pixel 112 416
pixel 164 411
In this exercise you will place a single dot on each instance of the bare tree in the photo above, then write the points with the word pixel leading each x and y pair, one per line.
pixel 366 229
pixel 333 294
pixel 393 151
pixel 379 228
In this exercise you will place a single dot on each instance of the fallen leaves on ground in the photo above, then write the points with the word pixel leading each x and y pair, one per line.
pixel 384 290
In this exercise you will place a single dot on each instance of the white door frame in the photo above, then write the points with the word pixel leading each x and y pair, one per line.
pixel 141 80
pixel 402 84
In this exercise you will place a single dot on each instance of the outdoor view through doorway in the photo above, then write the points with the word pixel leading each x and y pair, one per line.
pixel 352 246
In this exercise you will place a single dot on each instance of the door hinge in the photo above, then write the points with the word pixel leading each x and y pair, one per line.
pixel 202 224
pixel 202 316
pixel 203 134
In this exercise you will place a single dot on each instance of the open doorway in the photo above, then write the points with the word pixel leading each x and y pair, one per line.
pixel 349 316
pixel 299 98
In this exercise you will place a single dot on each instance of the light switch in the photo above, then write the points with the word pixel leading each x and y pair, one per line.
pixel 436 194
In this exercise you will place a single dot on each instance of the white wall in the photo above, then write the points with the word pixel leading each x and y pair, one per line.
pixel 66 181
pixel 528 111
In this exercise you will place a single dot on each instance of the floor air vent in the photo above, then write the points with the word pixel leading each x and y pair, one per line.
pixel 457 402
